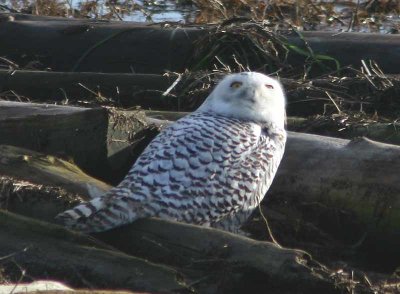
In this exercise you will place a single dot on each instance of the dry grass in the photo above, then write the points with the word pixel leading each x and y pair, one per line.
pixel 304 14
pixel 365 15
pixel 239 46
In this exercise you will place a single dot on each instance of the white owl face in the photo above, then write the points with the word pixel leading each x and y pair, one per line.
pixel 248 96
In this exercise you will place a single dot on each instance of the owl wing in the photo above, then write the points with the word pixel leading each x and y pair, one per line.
pixel 198 170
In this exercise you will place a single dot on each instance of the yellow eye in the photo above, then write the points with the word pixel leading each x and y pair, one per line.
pixel 236 85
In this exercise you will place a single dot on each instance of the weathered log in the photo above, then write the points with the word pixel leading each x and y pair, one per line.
pixel 355 177
pixel 51 287
pixel 376 217
pixel 44 203
pixel 326 126
pixel 102 143
pixel 40 169
pixel 36 286
pixel 359 177
pixel 147 91
pixel 47 251
pixel 153 49
pixel 350 163
pixel 254 266
pixel 40 186
pixel 349 48
pixel 206 260
pixel 71 132
pixel 99 88
pixel 90 45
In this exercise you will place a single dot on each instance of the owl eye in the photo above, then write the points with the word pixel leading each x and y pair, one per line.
pixel 236 85
pixel 269 86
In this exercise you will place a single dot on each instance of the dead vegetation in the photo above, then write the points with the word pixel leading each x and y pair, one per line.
pixel 365 15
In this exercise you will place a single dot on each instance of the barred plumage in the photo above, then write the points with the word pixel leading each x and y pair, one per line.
pixel 210 168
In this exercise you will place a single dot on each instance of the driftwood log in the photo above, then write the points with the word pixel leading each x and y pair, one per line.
pixel 388 132
pixel 43 42
pixel 199 253
pixel 74 133
pixel 103 143
pixel 327 182
pixel 324 176
pixel 203 260
pixel 359 176
pixel 51 287
pixel 152 91
pixel 40 186
pixel 325 126
pixel 126 90
pixel 49 251
pixel 194 251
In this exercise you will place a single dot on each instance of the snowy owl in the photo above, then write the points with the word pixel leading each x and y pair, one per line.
pixel 211 167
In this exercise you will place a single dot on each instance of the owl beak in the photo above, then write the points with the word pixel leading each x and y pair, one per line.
pixel 249 94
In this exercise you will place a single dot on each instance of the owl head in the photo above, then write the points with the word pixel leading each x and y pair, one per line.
pixel 248 96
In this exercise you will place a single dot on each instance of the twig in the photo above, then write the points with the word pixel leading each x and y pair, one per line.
pixel 268 227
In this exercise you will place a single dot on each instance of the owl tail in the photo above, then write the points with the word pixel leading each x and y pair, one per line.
pixel 96 215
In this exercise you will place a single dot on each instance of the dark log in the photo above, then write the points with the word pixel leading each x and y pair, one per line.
pixel 147 91
pixel 361 181
pixel 48 251
pixel 201 247
pixel 89 45
pixel 356 179
pixel 208 253
pixel 376 212
pixel 202 254
pixel 349 48
pixel 350 174
pixel 206 260
pixel 74 133
pixel 98 88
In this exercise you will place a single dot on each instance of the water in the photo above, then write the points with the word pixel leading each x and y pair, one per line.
pixel 145 11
